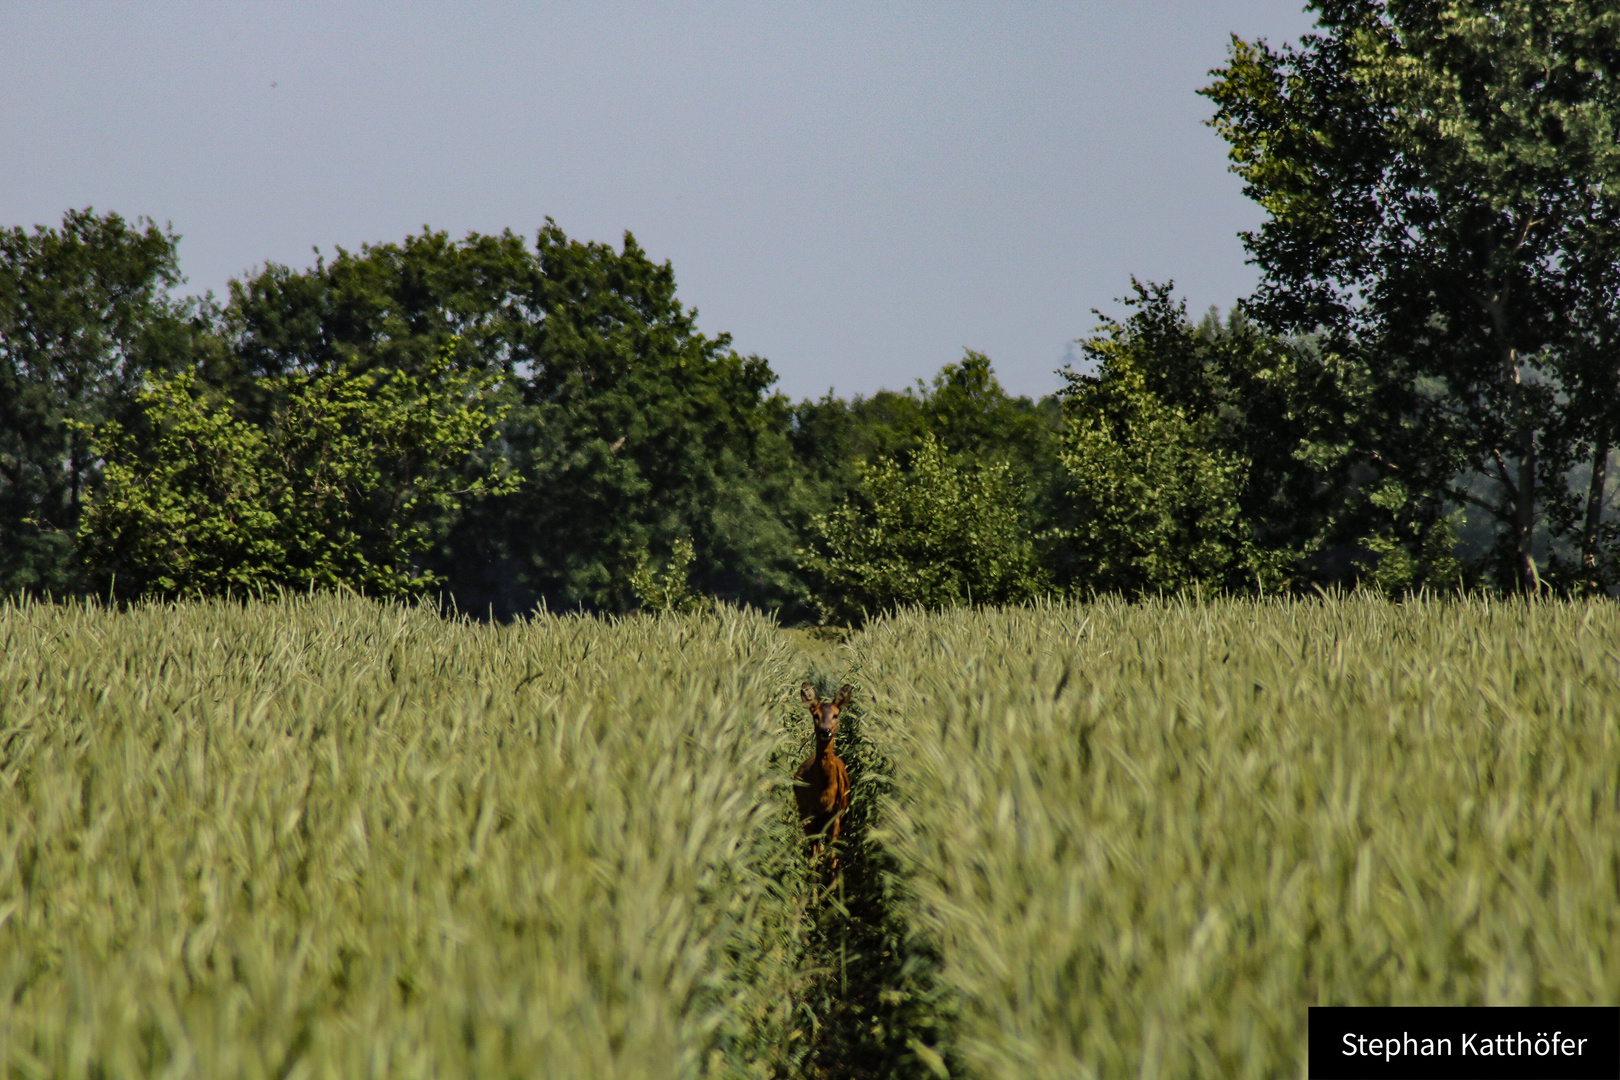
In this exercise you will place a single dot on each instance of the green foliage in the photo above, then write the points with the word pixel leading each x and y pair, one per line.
pixel 1155 455
pixel 388 306
pixel 630 427
pixel 636 429
pixel 1412 556
pixel 347 485
pixel 673 591
pixel 1008 444
pixel 190 514
pixel 84 316
pixel 948 530
pixel 1219 454
pixel 1440 186
pixel 1161 503
pixel 1145 837
pixel 964 407
pixel 334 838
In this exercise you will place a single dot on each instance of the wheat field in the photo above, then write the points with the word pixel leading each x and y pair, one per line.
pixel 333 838
pixel 326 837
pixel 1148 837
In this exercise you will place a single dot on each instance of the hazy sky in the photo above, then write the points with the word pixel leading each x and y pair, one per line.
pixel 855 191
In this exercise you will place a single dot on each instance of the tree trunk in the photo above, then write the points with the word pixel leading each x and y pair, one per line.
pixel 74 467
pixel 1524 517
pixel 1594 514
pixel 1522 493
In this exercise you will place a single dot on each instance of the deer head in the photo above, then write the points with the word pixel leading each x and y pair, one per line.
pixel 825 713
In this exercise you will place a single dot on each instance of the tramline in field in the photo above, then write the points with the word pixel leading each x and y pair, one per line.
pixel 329 837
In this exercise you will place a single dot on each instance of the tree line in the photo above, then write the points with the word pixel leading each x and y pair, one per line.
pixel 1421 393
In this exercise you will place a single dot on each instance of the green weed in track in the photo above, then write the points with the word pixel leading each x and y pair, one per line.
pixel 1146 838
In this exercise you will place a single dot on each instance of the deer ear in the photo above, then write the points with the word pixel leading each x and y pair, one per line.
pixel 808 693
pixel 844 693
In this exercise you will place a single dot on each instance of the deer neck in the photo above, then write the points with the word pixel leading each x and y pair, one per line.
pixel 825 751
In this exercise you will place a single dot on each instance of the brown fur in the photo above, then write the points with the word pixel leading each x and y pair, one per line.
pixel 823 789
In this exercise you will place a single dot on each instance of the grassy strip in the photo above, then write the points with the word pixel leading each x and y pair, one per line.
pixel 331 838
pixel 1147 837
pixel 873 1000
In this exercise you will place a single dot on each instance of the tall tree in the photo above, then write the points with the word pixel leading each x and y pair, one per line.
pixel 631 428
pixel 1183 453
pixel 1425 165
pixel 85 313
pixel 637 430
pixel 1589 366
pixel 386 307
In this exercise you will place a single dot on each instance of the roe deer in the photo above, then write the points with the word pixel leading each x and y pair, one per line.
pixel 822 790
